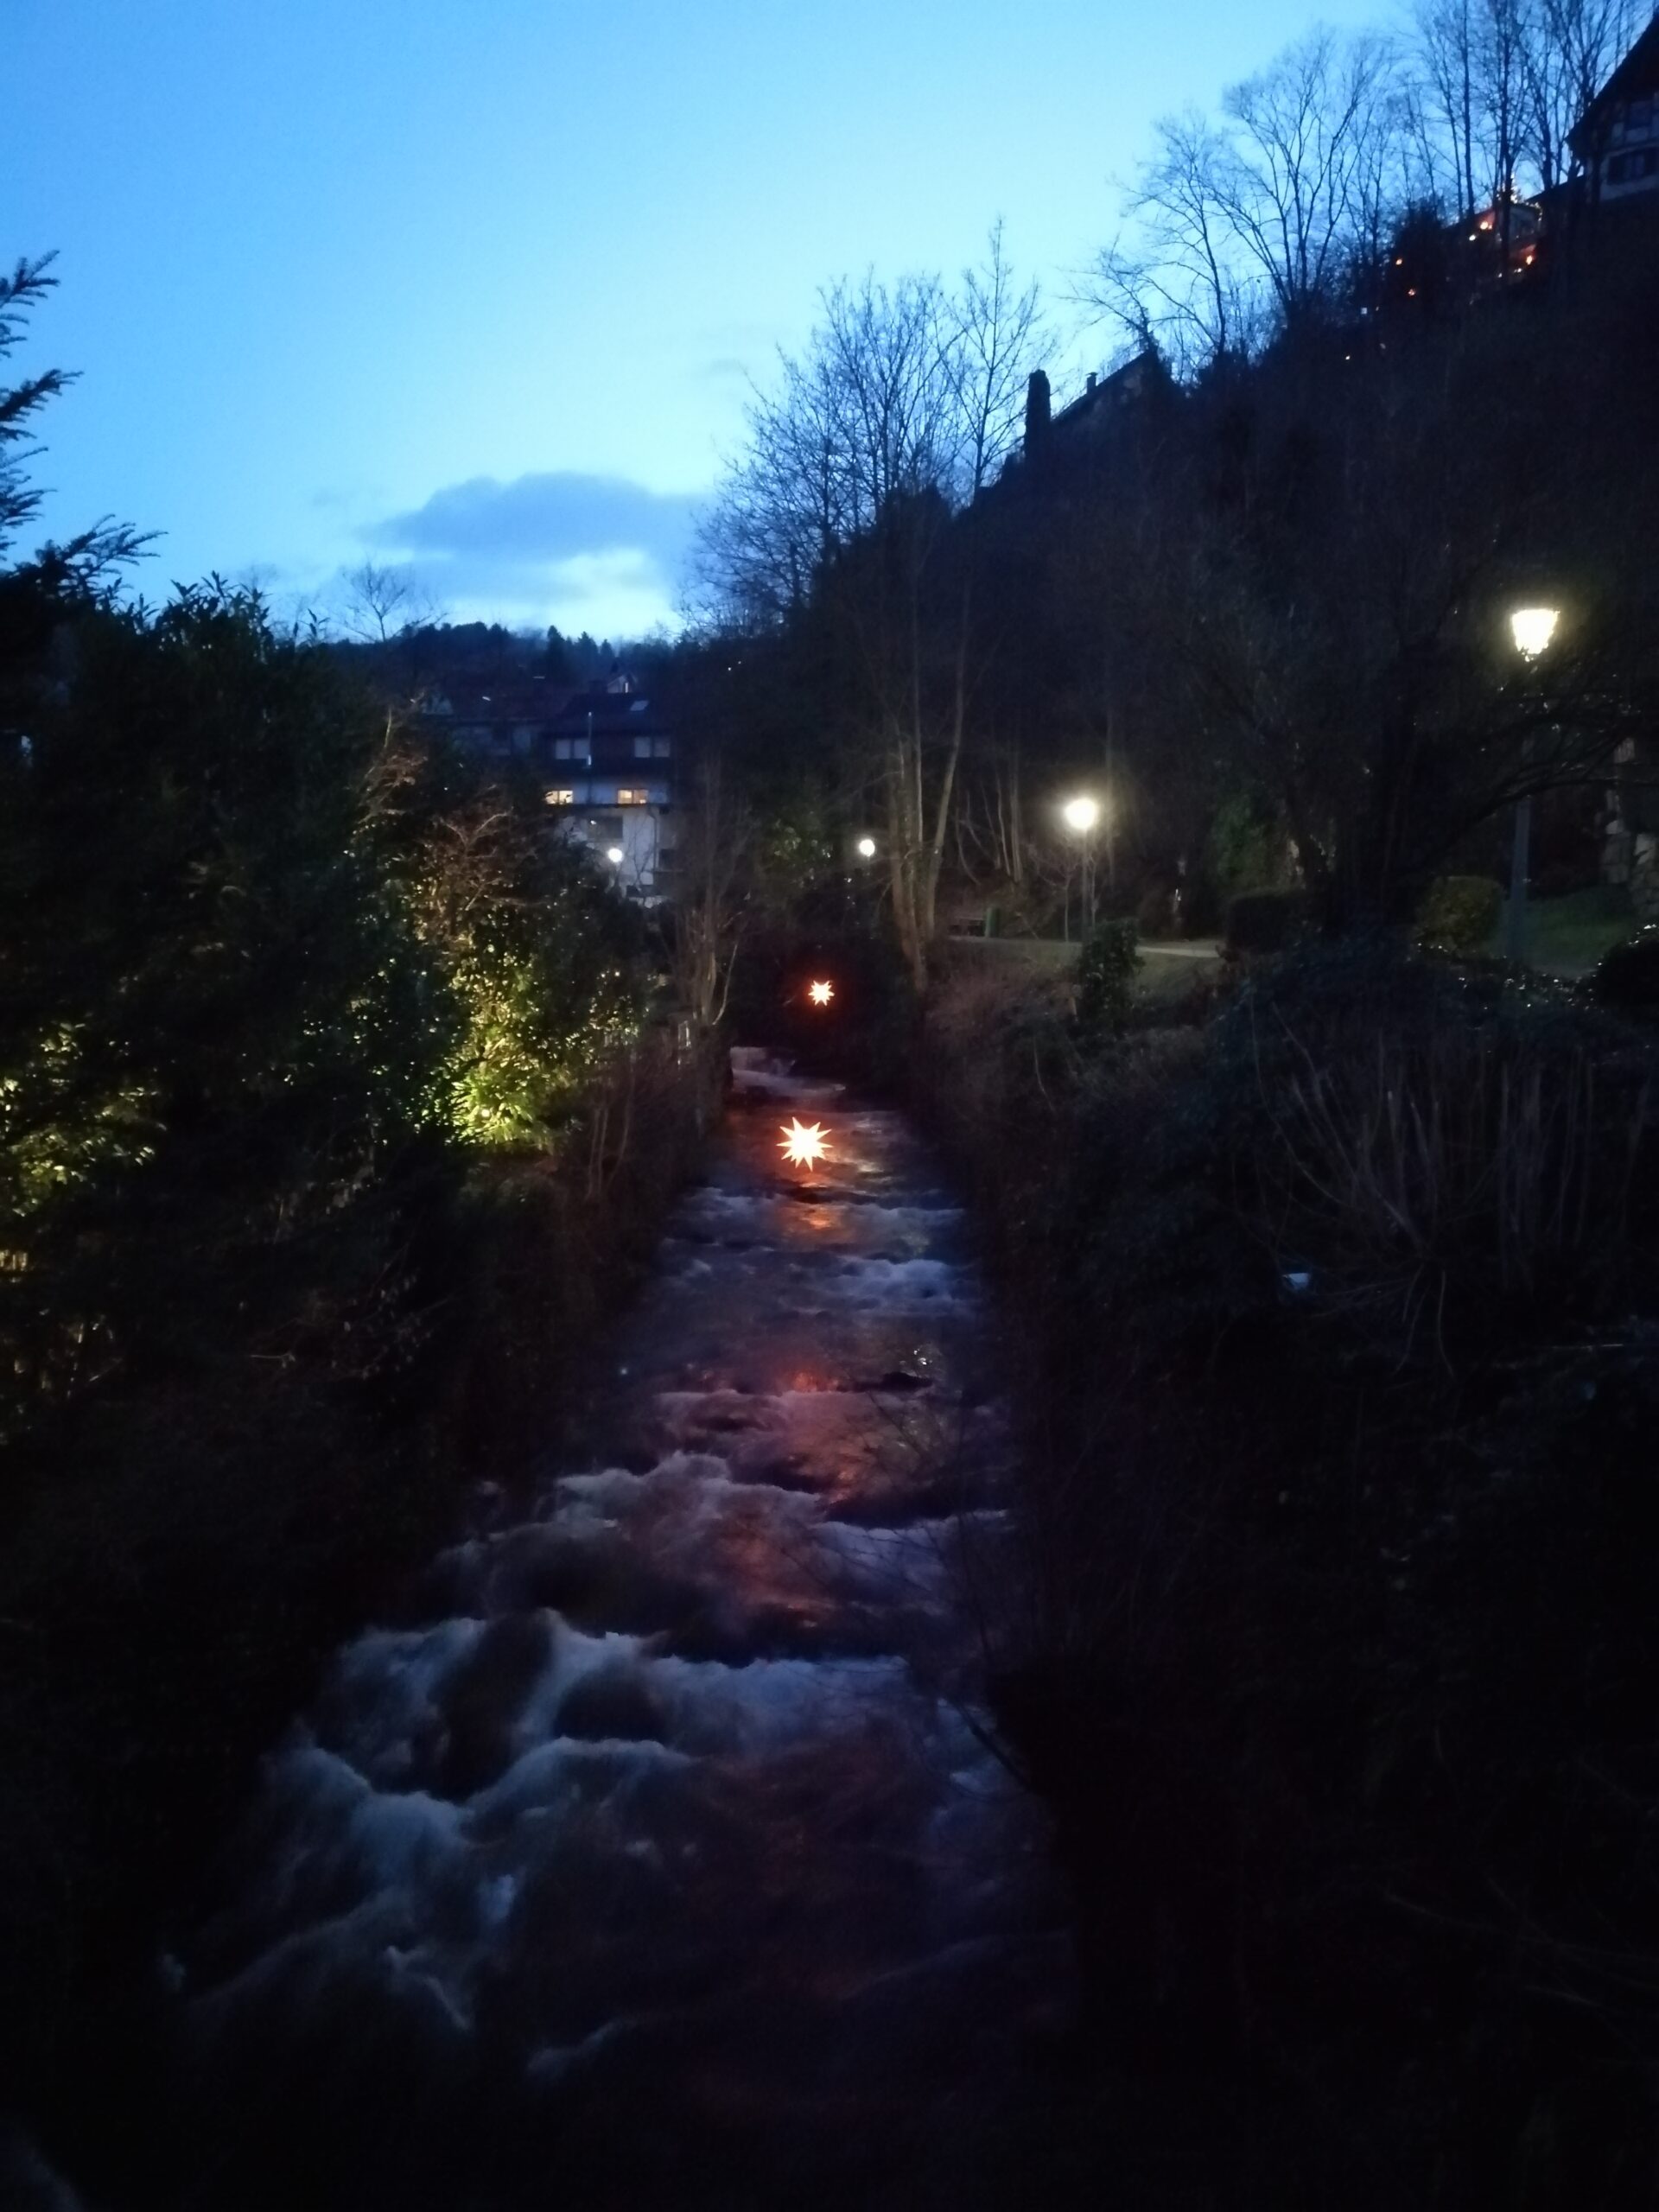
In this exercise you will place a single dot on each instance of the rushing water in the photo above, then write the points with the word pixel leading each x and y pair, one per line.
pixel 660 1857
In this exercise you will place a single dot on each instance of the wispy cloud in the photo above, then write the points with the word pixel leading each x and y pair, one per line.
pixel 581 550
pixel 550 516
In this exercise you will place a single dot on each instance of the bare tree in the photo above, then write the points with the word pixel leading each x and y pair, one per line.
pixel 1254 223
pixel 1308 165
pixel 1177 287
pixel 852 508
pixel 1497 86
pixel 379 604
pixel 716 832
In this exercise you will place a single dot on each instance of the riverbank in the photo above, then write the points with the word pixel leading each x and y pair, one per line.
pixel 174 1578
pixel 1341 1349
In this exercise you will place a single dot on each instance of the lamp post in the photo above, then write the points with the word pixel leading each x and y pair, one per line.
pixel 866 849
pixel 1532 628
pixel 1082 816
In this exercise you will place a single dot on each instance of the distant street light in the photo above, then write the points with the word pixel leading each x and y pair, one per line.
pixel 1082 816
pixel 866 849
pixel 613 853
pixel 1532 628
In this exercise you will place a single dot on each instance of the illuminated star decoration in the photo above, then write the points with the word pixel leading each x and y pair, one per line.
pixel 821 993
pixel 804 1145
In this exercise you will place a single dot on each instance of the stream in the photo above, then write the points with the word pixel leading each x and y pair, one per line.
pixel 659 1854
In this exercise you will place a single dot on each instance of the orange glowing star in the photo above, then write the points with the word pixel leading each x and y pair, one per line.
pixel 804 1147
pixel 821 993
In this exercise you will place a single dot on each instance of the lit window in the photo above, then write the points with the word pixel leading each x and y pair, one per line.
pixel 561 799
pixel 626 796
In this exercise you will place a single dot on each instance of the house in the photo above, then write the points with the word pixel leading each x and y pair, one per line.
pixel 1616 138
pixel 1098 409
pixel 605 757
pixel 608 763
pixel 508 721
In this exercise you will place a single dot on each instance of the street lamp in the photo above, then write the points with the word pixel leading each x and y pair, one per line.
pixel 1082 816
pixel 866 849
pixel 1532 628
pixel 613 853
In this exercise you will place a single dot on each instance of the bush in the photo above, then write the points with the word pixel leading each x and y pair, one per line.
pixel 1154 912
pixel 1106 969
pixel 1460 913
pixel 1266 922
pixel 1438 1144
pixel 1627 976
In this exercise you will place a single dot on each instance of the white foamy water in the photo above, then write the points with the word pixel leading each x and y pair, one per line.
pixel 667 1836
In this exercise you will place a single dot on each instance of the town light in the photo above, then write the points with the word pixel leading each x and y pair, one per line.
pixel 803 1144
pixel 1081 816
pixel 1533 628
pixel 613 853
pixel 821 993
pixel 866 848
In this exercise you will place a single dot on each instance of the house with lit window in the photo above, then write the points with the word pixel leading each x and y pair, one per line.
pixel 608 765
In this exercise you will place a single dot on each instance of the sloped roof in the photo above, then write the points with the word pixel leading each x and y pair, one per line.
pixel 1637 74
pixel 609 714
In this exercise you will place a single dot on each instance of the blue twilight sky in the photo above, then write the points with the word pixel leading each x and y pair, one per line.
pixel 478 285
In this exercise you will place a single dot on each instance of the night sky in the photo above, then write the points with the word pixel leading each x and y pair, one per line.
pixel 479 284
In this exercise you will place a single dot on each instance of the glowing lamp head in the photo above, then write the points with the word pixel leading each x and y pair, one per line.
pixel 803 1144
pixel 866 848
pixel 1081 815
pixel 821 993
pixel 1532 628
pixel 613 853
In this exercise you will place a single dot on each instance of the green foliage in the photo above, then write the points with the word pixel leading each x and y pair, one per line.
pixel 1245 849
pixel 1106 973
pixel 1460 914
pixel 1266 922
pixel 1627 976
pixel 258 954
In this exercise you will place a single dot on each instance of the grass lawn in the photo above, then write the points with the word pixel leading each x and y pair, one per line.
pixel 1567 936
pixel 1165 973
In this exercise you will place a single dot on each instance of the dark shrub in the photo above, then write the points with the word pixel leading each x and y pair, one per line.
pixel 1266 922
pixel 1628 975
pixel 1106 969
pixel 1460 913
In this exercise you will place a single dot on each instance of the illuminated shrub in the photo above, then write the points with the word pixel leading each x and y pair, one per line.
pixel 1460 914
